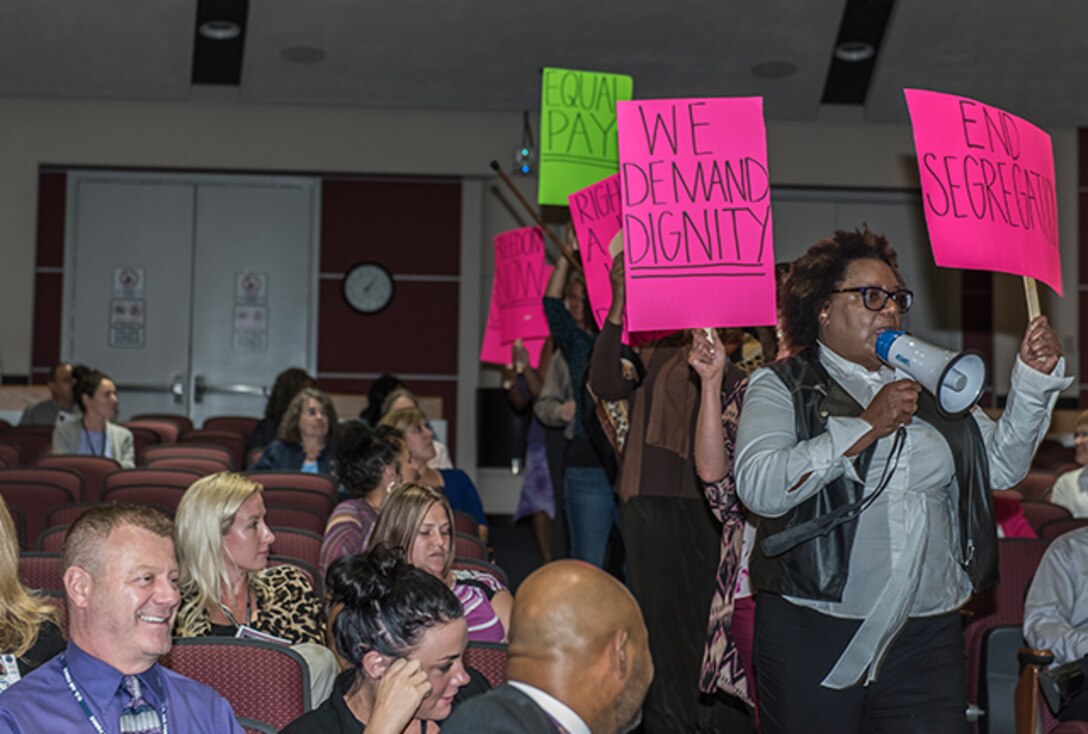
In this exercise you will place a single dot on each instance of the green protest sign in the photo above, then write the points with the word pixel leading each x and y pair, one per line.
pixel 578 130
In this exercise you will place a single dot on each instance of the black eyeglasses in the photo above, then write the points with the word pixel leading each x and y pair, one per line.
pixel 875 298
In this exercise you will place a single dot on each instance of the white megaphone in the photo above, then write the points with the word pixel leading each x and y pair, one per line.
pixel 955 379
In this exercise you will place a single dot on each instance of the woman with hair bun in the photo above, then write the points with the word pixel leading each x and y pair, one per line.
pixel 95 434
pixel 404 634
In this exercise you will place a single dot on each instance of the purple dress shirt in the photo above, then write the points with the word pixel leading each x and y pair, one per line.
pixel 42 701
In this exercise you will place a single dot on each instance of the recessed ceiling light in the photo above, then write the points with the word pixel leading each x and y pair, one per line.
pixel 774 70
pixel 220 30
pixel 302 54
pixel 854 51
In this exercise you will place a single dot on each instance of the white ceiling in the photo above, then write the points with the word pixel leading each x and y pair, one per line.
pixel 1029 58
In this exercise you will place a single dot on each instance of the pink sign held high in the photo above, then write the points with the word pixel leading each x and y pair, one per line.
pixel 987 187
pixel 696 194
pixel 516 310
pixel 595 212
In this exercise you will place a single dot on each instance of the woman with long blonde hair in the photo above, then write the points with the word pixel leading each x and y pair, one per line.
pixel 29 633
pixel 228 588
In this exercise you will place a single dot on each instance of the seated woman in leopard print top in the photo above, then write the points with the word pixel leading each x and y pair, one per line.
pixel 226 583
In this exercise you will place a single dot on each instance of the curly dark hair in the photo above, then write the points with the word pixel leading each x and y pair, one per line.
pixel 388 604
pixel 362 453
pixel 288 383
pixel 820 271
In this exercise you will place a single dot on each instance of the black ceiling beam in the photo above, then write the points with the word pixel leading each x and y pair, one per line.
pixel 863 21
pixel 219 61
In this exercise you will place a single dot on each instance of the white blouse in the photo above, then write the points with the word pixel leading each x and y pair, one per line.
pixel 905 561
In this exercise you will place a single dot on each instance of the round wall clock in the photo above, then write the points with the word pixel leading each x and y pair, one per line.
pixel 368 288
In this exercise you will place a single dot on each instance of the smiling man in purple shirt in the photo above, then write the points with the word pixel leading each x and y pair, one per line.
pixel 120 579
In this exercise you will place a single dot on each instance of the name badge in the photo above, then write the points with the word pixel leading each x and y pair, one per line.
pixel 245 632
pixel 9 672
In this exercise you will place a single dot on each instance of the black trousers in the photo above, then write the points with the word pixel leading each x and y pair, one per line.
pixel 921 687
pixel 672 561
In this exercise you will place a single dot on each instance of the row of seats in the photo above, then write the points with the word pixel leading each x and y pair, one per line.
pixel 24 445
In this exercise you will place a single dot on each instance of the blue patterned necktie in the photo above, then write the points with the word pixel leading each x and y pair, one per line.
pixel 138 717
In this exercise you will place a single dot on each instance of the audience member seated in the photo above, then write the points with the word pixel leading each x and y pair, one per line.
pixel 29 634
pixel 120 579
pixel 1056 619
pixel 306 436
pixel 1071 489
pixel 95 434
pixel 227 587
pixel 404 634
pixel 457 485
pixel 372 414
pixel 417 520
pixel 369 463
pixel 287 386
pixel 61 405
pixel 402 398
pixel 579 659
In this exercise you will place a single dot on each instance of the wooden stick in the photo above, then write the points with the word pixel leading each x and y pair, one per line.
pixel 1031 293
pixel 563 249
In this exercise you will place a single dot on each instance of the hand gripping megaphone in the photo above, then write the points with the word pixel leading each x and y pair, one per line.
pixel 955 379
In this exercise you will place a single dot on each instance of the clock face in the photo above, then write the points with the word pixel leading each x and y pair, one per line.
pixel 368 288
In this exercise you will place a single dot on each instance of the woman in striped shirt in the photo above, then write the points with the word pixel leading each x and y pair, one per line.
pixel 416 520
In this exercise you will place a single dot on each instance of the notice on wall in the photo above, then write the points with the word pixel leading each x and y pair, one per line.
pixel 128 317
pixel 578 144
pixel 987 187
pixel 698 237
pixel 250 288
pixel 250 333
pixel 128 281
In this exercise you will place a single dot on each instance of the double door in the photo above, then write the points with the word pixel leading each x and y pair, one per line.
pixel 191 292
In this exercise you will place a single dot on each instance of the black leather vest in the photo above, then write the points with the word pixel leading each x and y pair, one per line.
pixel 817 566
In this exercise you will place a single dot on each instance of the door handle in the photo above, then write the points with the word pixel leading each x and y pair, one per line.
pixel 202 388
pixel 176 388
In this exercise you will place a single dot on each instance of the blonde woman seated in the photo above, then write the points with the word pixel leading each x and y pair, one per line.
pixel 29 635
pixel 404 634
pixel 227 587
pixel 454 483
pixel 417 521
pixel 402 398
pixel 1071 489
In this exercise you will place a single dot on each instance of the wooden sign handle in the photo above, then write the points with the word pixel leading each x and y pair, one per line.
pixel 1031 293
pixel 563 249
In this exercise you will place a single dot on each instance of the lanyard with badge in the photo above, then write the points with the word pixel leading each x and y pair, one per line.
pixel 9 675
pixel 245 631
pixel 87 709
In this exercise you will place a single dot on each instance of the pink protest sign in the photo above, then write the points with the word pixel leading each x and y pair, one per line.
pixel 987 187
pixel 698 240
pixel 595 212
pixel 492 349
pixel 521 277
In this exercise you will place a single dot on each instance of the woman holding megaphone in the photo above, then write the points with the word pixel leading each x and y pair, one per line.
pixel 875 526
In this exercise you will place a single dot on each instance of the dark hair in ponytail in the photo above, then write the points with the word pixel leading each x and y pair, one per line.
pixel 388 604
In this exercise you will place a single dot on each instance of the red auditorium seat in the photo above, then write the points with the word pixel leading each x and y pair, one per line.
pixel 318 502
pixel 184 423
pixel 1040 513
pixel 469 546
pixel 296 518
pixel 295 480
pixel 263 681
pixel 233 442
pixel 475 564
pixel 33 441
pixel 300 544
pixel 240 424
pixel 488 658
pixel 93 469
pixel 41 571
